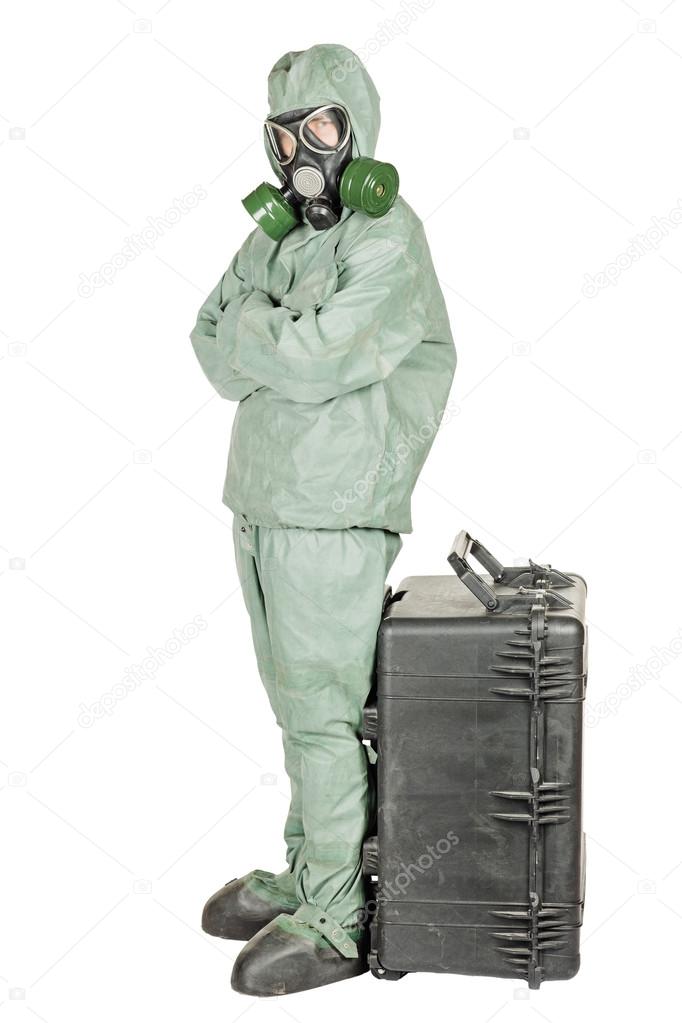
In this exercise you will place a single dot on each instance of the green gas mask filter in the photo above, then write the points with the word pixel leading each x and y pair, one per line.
pixel 366 186
pixel 313 150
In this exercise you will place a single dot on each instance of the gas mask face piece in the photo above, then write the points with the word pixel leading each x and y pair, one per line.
pixel 313 148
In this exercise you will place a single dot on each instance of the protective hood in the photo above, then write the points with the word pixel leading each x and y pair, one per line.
pixel 326 73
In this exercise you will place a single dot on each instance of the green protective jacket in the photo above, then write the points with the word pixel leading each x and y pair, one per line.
pixel 335 343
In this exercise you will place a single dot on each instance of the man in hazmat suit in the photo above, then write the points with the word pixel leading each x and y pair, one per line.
pixel 330 330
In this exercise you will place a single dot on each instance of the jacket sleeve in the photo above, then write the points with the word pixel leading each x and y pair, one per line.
pixel 356 337
pixel 228 382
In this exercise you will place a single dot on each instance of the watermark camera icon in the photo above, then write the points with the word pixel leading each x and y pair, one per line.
pixel 142 456
pixel 521 134
pixel 142 887
pixel 268 779
pixel 646 457
pixel 521 348
pixel 646 887
pixel 142 26
pixel 646 26
pixel 16 133
pixel 17 564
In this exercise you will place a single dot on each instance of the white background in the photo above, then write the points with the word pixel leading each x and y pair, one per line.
pixel 535 139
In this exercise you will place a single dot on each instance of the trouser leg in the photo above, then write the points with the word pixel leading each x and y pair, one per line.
pixel 244 536
pixel 323 591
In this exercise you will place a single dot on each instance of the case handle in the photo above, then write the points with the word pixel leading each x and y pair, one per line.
pixel 465 547
pixel 526 578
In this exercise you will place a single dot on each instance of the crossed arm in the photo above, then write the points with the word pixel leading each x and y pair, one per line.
pixel 212 356
pixel 356 338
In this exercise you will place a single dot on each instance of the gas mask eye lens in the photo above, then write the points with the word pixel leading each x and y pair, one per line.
pixel 286 144
pixel 325 130
pixel 282 142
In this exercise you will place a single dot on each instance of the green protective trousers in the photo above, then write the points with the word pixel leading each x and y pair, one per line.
pixel 314 598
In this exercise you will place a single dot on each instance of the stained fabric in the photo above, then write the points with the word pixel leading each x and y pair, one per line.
pixel 335 343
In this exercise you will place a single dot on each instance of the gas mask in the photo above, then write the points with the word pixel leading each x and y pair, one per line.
pixel 313 149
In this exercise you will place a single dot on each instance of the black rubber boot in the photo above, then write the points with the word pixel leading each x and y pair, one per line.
pixel 236 911
pixel 279 962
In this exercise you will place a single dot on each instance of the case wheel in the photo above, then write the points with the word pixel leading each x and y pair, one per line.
pixel 381 974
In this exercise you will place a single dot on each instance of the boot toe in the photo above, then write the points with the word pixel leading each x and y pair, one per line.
pixel 255 969
pixel 216 909
pixel 277 962
pixel 237 912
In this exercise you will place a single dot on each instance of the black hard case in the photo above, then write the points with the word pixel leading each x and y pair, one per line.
pixel 478 866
